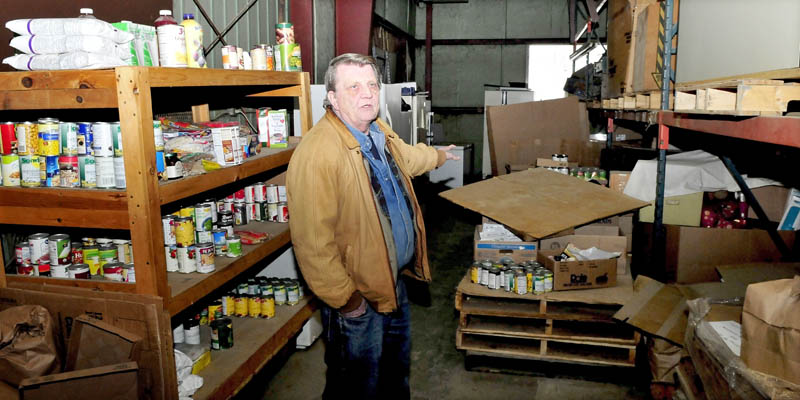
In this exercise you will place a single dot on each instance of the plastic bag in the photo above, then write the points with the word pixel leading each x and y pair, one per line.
pixel 56 44
pixel 75 60
pixel 68 26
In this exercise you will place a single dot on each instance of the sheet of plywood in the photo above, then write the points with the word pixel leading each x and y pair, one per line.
pixel 521 133
pixel 540 203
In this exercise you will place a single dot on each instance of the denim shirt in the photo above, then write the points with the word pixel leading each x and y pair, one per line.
pixel 397 203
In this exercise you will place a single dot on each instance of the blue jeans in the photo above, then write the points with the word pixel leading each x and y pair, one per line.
pixel 368 357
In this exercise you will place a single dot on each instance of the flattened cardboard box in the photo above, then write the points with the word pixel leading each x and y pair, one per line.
pixel 116 382
pixel 540 203
pixel 94 343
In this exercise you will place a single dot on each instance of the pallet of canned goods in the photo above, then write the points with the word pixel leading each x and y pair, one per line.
pixel 507 311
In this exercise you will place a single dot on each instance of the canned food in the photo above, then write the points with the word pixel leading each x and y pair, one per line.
pixel 174 166
pixel 226 217
pixel 249 194
pixel 103 144
pixel 59 271
pixel 184 231
pixel 521 283
pixel 240 305
pixel 10 170
pixel 283 212
pixel 69 138
pixel 272 193
pixel 538 282
pixel 22 252
pixel 253 306
pixel 187 259
pixel 26 269
pixel 284 33
pixel 88 172
pixel 91 256
pixel 105 177
pixel 239 214
pixel 230 58
pixel 252 211
pixel 78 271
pixel 89 241
pixel 49 142
pixel 279 290
pixel 203 218
pixel 76 253
pixel 259 195
pixel 168 225
pixel 59 247
pixel 252 287
pixel 124 254
pixel 49 173
pixel 108 254
pixel 119 173
pixel 205 262
pixel 234 246
pixel 158 135
pixel 113 271
pixel 220 242
pixel 203 237
pixel 30 171
pixel 8 138
pixel 129 273
pixel 68 171
pixel 548 281
pixel 27 138
pixel 85 139
pixel 228 303
pixel 40 248
pixel 171 255
pixel 213 309
pixel 116 138
pixel 225 333
pixel 43 269
pixel 292 293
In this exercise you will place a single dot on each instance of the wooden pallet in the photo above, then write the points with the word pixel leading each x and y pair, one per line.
pixel 746 97
pixel 557 326
pixel 645 101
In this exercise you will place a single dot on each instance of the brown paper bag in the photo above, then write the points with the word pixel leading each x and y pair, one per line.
pixel 27 344
pixel 771 328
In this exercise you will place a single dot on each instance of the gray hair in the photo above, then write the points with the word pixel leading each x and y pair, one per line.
pixel 351 59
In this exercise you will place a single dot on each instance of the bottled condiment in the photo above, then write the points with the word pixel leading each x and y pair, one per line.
pixel 171 40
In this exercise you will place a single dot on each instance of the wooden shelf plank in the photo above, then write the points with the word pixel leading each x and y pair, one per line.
pixel 530 349
pixel 775 130
pixel 188 288
pixel 185 77
pixel 585 333
pixel 89 208
pixel 58 99
pixel 70 79
pixel 186 187
pixel 255 342
pixel 522 309
pixel 21 282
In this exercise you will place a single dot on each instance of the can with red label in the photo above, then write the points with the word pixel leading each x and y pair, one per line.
pixel 187 259
pixel 272 212
pixel 252 211
pixel 171 253
pixel 249 194
pixel 76 250
pixel 283 212
pixel 8 138
pixel 205 258
pixel 26 269
pixel 43 269
pixel 272 194
pixel 260 193
pixel 113 271
pixel 69 171
pixel 23 253
pixel 238 197
pixel 78 271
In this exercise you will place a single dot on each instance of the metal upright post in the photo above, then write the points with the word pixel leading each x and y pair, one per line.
pixel 667 76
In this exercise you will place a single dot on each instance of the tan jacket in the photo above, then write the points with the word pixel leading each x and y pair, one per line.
pixel 335 225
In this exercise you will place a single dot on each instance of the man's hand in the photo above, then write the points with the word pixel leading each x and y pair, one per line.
pixel 448 155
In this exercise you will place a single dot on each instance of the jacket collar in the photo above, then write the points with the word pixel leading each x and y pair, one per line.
pixel 347 138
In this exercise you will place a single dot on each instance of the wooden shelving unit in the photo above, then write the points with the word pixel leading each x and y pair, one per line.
pixel 131 91
pixel 571 327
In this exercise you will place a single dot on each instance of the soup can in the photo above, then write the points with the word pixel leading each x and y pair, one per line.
pixel 171 256
pixel 59 271
pixel 283 212
pixel 205 256
pixel 43 269
pixel 239 214
pixel 113 271
pixel 69 171
pixel 26 269
pixel 272 212
pixel 69 138
pixel 187 259
pixel 103 144
pixel 40 248
pixel 76 253
pixel 8 138
pixel 129 273
pixel 22 253
pixel 85 139
pixel 78 271
pixel 88 171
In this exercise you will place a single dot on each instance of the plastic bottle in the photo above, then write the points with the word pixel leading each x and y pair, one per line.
pixel 194 42
pixel 87 13
pixel 171 41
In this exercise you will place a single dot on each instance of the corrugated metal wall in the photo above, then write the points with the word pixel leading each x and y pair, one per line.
pixel 257 26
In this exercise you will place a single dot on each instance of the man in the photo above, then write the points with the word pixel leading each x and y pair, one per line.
pixel 356 227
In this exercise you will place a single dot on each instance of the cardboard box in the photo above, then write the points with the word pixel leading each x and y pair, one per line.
pixel 521 133
pixel 540 203
pixel 678 210
pixel 772 200
pixel 495 250
pixel 624 222
pixel 771 328
pixel 94 343
pixel 693 254
pixel 646 70
pixel 571 275
pixel 117 381
pixel 618 179
pixel 603 237
pixel 620 47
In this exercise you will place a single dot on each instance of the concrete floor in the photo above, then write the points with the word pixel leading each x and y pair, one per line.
pixel 437 367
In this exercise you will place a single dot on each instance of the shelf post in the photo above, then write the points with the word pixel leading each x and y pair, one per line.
pixel 144 200
pixel 610 133
pixel 306 118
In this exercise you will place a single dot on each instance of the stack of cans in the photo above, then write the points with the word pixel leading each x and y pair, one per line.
pixel 56 256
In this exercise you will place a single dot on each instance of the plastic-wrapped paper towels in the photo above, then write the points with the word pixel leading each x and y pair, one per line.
pixel 67 43
pixel 688 172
